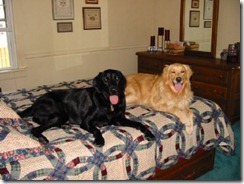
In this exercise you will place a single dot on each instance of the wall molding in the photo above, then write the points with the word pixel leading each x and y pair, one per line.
pixel 80 51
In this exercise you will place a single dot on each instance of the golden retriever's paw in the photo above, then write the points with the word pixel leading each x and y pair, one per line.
pixel 189 129
pixel 189 115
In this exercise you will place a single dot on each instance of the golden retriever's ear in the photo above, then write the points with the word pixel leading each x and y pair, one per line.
pixel 188 71
pixel 166 73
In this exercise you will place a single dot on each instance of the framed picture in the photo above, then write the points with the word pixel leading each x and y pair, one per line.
pixel 91 1
pixel 194 3
pixel 194 19
pixel 64 27
pixel 208 10
pixel 63 9
pixel 207 24
pixel 92 18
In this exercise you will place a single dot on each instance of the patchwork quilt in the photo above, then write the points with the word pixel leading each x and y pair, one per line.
pixel 126 155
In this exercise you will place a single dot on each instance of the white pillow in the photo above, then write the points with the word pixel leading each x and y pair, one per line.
pixel 7 112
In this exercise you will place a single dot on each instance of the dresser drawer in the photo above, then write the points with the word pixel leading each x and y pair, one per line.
pixel 209 75
pixel 188 169
pixel 146 65
pixel 209 91
pixel 196 171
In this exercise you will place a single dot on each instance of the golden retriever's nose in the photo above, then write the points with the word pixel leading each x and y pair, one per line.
pixel 178 79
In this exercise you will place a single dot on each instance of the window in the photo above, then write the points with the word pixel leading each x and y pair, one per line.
pixel 7 43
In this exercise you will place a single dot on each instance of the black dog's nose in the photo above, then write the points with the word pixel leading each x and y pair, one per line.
pixel 178 79
pixel 114 90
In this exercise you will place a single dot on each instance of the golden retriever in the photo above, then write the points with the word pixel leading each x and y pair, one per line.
pixel 169 92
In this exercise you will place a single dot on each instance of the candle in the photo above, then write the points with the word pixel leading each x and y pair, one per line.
pixel 167 35
pixel 152 41
pixel 161 31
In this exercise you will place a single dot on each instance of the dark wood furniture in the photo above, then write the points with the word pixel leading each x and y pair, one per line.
pixel 198 164
pixel 212 78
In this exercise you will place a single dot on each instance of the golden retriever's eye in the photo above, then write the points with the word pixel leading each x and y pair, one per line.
pixel 173 72
pixel 183 71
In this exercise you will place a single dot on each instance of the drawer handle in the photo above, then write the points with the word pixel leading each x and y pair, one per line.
pixel 221 76
pixel 190 175
pixel 218 92
pixel 221 93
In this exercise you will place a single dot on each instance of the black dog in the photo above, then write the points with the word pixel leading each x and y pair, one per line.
pixel 97 106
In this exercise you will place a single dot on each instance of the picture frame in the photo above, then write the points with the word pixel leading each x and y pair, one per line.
pixel 92 18
pixel 194 3
pixel 208 10
pixel 64 27
pixel 194 18
pixel 63 9
pixel 91 1
pixel 207 24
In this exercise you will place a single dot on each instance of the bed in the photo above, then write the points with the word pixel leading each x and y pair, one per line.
pixel 126 155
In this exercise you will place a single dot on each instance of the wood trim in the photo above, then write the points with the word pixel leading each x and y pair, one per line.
pixel 182 18
pixel 188 169
pixel 214 28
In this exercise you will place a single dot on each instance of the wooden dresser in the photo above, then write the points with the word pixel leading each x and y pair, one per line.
pixel 212 78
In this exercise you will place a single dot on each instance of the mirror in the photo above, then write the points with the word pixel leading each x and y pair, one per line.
pixel 191 24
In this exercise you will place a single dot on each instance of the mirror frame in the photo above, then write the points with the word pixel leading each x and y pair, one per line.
pixel 212 53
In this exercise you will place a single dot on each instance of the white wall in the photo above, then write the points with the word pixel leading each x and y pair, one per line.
pixel 167 14
pixel 229 30
pixel 46 56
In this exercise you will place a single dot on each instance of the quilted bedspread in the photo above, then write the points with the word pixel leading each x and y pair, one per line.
pixel 70 154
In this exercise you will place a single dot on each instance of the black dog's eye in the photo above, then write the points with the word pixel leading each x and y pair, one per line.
pixel 105 79
pixel 117 78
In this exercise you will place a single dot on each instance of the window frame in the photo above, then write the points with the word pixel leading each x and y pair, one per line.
pixel 9 30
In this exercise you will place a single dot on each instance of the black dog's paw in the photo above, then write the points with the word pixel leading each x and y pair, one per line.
pixel 43 140
pixel 149 136
pixel 66 126
pixel 99 142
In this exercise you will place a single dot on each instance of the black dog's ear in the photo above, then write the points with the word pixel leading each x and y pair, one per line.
pixel 97 82
pixel 122 81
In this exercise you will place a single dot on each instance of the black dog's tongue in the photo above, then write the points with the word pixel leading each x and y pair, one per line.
pixel 114 99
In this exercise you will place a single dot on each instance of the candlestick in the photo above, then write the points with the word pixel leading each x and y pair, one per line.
pixel 160 43
pixel 166 43
pixel 152 47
